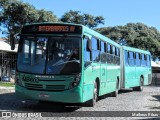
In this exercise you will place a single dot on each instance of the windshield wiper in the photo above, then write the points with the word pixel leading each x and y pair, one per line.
pixel 63 62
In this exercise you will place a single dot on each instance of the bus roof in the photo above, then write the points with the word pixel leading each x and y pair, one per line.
pixel 85 29
pixel 135 50
pixel 99 36
pixel 58 23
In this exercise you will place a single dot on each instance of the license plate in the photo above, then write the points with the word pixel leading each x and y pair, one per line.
pixel 43 95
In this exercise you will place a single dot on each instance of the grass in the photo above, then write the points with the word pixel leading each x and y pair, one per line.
pixel 7 84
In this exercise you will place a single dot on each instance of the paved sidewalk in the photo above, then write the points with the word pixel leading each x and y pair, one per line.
pixel 6 89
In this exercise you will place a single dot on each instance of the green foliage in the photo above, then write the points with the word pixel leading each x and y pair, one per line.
pixel 85 19
pixel 7 84
pixel 137 35
pixel 14 14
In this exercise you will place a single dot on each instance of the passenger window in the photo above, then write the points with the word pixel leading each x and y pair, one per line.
pixel 131 55
pixel 102 47
pixel 95 50
pixel 138 62
pixel 113 50
pixel 87 54
pixel 108 48
pixel 148 60
pixel 126 57
pixel 143 61
pixel 117 52
pixel 95 44
pixel 131 58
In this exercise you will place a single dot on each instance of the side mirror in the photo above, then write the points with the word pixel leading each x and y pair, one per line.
pixel 15 38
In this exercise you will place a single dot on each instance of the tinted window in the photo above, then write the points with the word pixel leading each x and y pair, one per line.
pixel 113 50
pixel 131 55
pixel 138 62
pixel 95 50
pixel 95 44
pixel 117 52
pixel 143 61
pixel 126 57
pixel 131 58
pixel 95 56
pixel 108 48
pixel 102 47
pixel 148 60
pixel 87 54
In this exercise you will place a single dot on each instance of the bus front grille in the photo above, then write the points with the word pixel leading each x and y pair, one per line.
pixel 45 87
pixel 33 86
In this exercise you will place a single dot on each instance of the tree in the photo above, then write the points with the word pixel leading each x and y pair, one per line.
pixel 13 15
pixel 85 19
pixel 136 35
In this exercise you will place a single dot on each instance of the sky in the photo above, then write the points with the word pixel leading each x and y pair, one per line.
pixel 115 12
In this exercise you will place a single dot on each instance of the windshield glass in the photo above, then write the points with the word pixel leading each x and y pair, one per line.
pixel 49 55
pixel 32 54
pixel 63 54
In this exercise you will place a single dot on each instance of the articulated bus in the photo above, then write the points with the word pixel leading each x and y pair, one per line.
pixel 136 68
pixel 70 63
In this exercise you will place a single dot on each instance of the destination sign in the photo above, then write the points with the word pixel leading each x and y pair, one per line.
pixel 51 29
pixel 57 28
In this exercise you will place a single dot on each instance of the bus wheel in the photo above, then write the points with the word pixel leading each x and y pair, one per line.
pixel 92 102
pixel 115 93
pixel 140 87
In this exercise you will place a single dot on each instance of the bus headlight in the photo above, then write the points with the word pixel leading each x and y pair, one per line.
pixel 75 82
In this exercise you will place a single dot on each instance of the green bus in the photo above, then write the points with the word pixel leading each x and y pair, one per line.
pixel 70 63
pixel 136 68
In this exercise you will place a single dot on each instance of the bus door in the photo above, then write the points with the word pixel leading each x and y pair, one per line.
pixel 103 68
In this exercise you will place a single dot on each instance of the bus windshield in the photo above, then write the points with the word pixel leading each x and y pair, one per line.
pixel 49 55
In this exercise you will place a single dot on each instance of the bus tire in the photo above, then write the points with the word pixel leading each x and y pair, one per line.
pixel 115 93
pixel 140 87
pixel 92 102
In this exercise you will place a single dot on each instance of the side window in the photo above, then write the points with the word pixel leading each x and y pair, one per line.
pixel 95 50
pixel 143 61
pixel 102 47
pixel 131 55
pixel 117 52
pixel 113 50
pixel 126 57
pixel 131 58
pixel 148 60
pixel 103 54
pixel 117 59
pixel 95 44
pixel 87 54
pixel 138 62
pixel 108 48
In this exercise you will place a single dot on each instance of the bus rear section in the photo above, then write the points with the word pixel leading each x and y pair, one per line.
pixel 136 68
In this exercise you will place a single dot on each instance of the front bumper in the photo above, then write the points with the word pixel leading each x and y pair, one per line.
pixel 68 96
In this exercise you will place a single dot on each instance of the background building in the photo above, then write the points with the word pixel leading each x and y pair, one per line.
pixel 7 60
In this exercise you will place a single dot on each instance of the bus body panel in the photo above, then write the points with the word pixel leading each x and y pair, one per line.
pixel 68 96
pixel 131 74
pixel 107 68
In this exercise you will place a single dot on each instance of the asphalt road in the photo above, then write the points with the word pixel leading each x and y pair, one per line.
pixel 127 100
